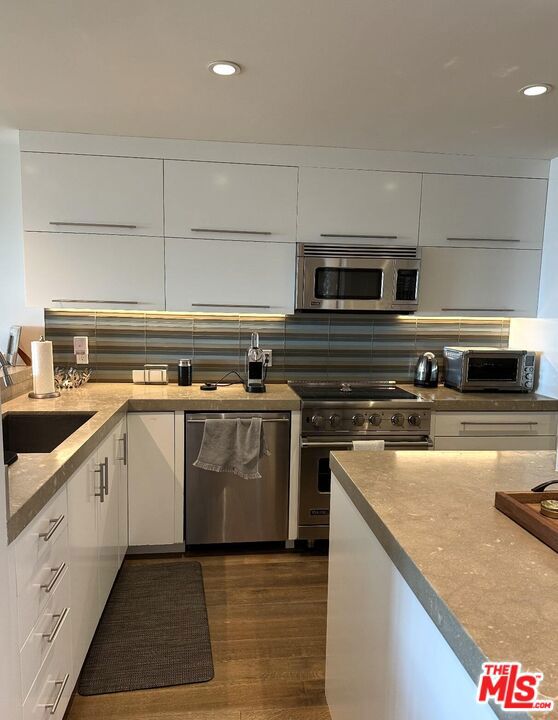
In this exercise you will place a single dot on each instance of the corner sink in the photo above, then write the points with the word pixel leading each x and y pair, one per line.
pixel 40 432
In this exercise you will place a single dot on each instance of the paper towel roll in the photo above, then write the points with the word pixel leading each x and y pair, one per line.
pixel 43 367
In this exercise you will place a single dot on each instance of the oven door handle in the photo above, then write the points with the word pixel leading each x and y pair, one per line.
pixel 334 444
pixel 388 444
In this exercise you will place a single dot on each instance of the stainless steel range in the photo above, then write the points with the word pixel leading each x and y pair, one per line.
pixel 336 414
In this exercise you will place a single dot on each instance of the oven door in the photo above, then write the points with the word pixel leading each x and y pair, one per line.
pixel 502 371
pixel 365 284
pixel 315 478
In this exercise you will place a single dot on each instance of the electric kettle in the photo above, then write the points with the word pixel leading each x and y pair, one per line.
pixel 426 370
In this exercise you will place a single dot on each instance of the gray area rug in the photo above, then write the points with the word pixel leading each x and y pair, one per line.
pixel 153 632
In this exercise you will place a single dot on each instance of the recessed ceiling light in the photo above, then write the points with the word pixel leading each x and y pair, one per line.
pixel 534 90
pixel 224 67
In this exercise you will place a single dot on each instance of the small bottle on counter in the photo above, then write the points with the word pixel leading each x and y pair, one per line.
pixel 185 372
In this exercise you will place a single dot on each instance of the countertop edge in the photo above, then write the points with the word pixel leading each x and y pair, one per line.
pixel 463 645
pixel 25 514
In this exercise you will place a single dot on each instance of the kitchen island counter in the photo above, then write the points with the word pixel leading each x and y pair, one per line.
pixel 488 586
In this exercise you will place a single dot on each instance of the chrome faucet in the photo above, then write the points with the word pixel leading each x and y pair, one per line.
pixel 4 364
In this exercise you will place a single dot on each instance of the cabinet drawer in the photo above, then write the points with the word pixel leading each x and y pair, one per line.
pixel 45 634
pixel 513 442
pixel 52 689
pixel 46 578
pixel 36 541
pixel 491 424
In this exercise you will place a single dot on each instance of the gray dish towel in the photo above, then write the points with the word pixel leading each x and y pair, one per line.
pixel 234 446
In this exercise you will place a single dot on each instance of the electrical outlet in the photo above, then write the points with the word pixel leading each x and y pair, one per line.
pixel 82 359
pixel 268 355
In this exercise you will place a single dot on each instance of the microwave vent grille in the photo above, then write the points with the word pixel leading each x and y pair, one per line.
pixel 356 251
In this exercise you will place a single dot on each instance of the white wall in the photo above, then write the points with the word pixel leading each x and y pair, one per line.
pixel 12 288
pixel 541 334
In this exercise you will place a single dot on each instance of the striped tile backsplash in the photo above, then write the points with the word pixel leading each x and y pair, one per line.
pixel 307 346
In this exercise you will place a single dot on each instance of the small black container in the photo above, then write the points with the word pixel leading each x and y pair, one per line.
pixel 185 372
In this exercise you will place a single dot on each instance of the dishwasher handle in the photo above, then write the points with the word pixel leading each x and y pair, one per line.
pixel 265 420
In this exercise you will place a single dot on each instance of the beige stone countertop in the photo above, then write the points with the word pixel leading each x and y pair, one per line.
pixel 35 478
pixel 490 587
pixel 445 399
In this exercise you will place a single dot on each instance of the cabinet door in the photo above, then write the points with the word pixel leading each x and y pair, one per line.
pixel 121 479
pixel 84 193
pixel 479 281
pixel 358 206
pixel 460 210
pixel 230 276
pixel 84 576
pixel 221 200
pixel 151 478
pixel 107 518
pixel 66 270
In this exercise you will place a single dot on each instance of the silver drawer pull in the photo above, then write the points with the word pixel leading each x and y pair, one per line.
pixel 471 239
pixel 503 422
pixel 124 440
pixel 61 685
pixel 232 232
pixel 57 573
pixel 101 493
pixel 51 636
pixel 349 235
pixel 99 302
pixel 55 524
pixel 106 475
pixel 124 226
pixel 231 305
pixel 477 309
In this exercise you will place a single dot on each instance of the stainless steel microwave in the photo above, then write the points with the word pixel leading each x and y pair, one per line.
pixel 357 278
pixel 484 369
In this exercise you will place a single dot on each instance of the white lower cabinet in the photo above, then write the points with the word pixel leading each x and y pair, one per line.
pixel 495 431
pixel 95 553
pixel 474 281
pixel 152 482
pixel 230 276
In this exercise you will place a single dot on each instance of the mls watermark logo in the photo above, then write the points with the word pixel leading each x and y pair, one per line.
pixel 512 689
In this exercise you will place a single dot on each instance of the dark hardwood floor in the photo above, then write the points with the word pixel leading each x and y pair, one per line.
pixel 267 617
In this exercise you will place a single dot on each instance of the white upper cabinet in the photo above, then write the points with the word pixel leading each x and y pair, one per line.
pixel 358 206
pixel 92 194
pixel 228 200
pixel 465 211
pixel 230 276
pixel 67 270
pixel 463 281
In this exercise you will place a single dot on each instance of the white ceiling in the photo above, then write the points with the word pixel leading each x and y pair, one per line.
pixel 426 75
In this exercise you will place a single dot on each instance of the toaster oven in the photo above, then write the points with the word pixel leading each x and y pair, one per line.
pixel 485 369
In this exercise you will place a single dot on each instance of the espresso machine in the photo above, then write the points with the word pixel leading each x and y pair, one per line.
pixel 255 366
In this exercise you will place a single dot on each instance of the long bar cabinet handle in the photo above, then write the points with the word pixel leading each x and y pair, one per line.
pixel 99 302
pixel 51 636
pixel 55 524
pixel 364 237
pixel 231 232
pixel 53 707
pixel 57 573
pixel 472 239
pixel 123 226
pixel 231 305
pixel 478 309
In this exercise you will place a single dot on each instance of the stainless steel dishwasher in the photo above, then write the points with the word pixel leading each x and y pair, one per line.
pixel 225 508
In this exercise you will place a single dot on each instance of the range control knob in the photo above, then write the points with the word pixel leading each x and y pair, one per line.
pixel 358 420
pixel 335 420
pixel 414 420
pixel 398 419
pixel 375 419
pixel 317 421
